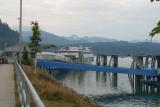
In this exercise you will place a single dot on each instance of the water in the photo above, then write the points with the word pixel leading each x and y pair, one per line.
pixel 107 90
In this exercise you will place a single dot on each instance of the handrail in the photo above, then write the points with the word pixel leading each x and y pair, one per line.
pixel 26 89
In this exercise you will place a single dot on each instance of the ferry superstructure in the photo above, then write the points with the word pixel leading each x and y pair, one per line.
pixel 78 53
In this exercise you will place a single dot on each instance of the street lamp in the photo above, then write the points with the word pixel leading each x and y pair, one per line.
pixel 20 33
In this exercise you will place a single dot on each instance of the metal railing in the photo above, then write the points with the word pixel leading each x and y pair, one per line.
pixel 25 89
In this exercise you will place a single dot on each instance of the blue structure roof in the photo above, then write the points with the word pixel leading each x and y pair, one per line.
pixel 87 67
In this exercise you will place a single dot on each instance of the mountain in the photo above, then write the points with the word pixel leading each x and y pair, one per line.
pixel 8 37
pixel 123 48
pixel 99 44
pixel 98 39
pixel 145 40
pixel 50 38
pixel 73 37
pixel 88 39
pixel 47 38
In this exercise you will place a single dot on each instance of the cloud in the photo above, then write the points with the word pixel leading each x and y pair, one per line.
pixel 119 19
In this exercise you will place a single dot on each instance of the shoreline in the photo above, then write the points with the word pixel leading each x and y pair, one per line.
pixel 55 93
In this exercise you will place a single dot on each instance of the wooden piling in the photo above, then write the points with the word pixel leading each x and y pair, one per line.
pixel 158 62
pixel 158 65
pixel 115 61
pixel 146 62
pixel 104 60
pixel 98 60
pixel 138 84
pixel 153 63
pixel 115 75
pixel 104 63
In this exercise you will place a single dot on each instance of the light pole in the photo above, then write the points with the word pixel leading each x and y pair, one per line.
pixel 20 33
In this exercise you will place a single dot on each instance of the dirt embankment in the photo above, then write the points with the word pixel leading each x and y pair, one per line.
pixel 56 94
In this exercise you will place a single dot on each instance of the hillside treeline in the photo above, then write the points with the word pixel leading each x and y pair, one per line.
pixel 8 37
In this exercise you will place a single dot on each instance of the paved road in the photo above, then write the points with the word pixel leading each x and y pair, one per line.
pixel 7 88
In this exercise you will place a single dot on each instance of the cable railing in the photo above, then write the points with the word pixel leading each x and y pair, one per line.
pixel 27 93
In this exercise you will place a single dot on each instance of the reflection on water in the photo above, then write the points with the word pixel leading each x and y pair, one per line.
pixel 114 90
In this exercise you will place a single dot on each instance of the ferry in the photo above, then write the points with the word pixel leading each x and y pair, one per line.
pixel 50 56
pixel 78 54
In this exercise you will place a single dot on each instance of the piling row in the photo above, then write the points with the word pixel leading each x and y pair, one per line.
pixel 139 62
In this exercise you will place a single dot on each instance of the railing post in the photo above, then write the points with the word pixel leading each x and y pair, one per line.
pixel 18 84
pixel 22 89
pixel 27 97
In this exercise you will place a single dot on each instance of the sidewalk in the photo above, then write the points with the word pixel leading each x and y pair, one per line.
pixel 7 85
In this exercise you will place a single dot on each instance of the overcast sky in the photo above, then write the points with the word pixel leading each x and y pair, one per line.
pixel 117 19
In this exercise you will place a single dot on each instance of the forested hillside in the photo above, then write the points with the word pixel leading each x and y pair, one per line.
pixel 8 36
pixel 123 48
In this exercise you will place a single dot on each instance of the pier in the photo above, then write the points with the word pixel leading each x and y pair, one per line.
pixel 143 68
pixel 138 66
pixel 142 73
pixel 87 67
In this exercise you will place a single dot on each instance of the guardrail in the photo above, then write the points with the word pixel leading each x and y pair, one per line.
pixel 25 89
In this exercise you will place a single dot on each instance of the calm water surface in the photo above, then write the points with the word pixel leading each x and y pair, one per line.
pixel 107 90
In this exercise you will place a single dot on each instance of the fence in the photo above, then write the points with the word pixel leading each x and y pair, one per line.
pixel 25 89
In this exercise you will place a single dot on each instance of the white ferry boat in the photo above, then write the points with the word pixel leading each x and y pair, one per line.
pixel 78 54
pixel 51 56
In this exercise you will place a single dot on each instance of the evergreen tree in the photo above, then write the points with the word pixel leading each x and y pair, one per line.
pixel 35 39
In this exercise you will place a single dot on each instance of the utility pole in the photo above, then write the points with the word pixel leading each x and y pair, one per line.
pixel 20 33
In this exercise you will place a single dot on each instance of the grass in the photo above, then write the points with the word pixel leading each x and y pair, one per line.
pixel 55 94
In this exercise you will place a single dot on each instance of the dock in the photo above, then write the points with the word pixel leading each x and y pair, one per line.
pixel 140 65
pixel 143 67
pixel 87 67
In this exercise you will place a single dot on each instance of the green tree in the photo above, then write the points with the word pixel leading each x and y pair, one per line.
pixel 25 58
pixel 155 30
pixel 35 39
